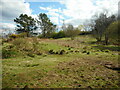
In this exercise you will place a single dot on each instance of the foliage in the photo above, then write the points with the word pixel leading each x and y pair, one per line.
pixel 85 32
pixel 113 32
pixel 25 23
pixel 71 31
pixel 100 25
pixel 22 35
pixel 55 35
pixel 60 34
pixel 23 44
pixel 46 25
pixel 13 36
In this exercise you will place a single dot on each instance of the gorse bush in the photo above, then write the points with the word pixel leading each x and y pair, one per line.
pixel 20 46
pixel 23 44
pixel 13 36
pixel 26 45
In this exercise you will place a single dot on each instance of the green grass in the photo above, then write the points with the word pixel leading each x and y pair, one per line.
pixel 71 70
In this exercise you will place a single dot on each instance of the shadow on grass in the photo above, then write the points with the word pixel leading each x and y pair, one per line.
pixel 104 47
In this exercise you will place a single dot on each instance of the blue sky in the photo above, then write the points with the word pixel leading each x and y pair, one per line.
pixel 41 7
pixel 36 10
pixel 75 12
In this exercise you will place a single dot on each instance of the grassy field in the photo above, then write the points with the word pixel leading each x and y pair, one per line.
pixel 83 64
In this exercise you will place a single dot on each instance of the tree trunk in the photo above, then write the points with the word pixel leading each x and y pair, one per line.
pixel 106 39
pixel 98 39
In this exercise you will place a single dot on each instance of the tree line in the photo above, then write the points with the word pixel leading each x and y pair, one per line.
pixel 28 25
pixel 103 27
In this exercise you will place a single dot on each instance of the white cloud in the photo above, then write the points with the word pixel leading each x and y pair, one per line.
pixel 79 11
pixel 7 28
pixel 55 14
pixel 7 25
pixel 50 9
pixel 82 10
pixel 10 9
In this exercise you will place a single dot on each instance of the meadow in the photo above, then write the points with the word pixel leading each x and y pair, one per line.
pixel 59 63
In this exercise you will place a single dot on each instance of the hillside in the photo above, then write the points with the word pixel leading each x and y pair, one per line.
pixel 60 63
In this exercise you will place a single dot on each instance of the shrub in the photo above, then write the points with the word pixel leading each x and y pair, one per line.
pixel 40 36
pixel 23 44
pixel 13 36
pixel 60 34
pixel 22 35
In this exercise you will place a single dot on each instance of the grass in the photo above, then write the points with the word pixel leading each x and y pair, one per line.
pixel 70 70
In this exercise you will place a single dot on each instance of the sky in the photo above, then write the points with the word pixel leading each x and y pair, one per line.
pixel 75 12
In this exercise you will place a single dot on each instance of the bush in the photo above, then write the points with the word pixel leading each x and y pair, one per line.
pixel 13 36
pixel 60 34
pixel 113 32
pixel 55 35
pixel 23 44
pixel 85 32
pixel 40 36
pixel 22 35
